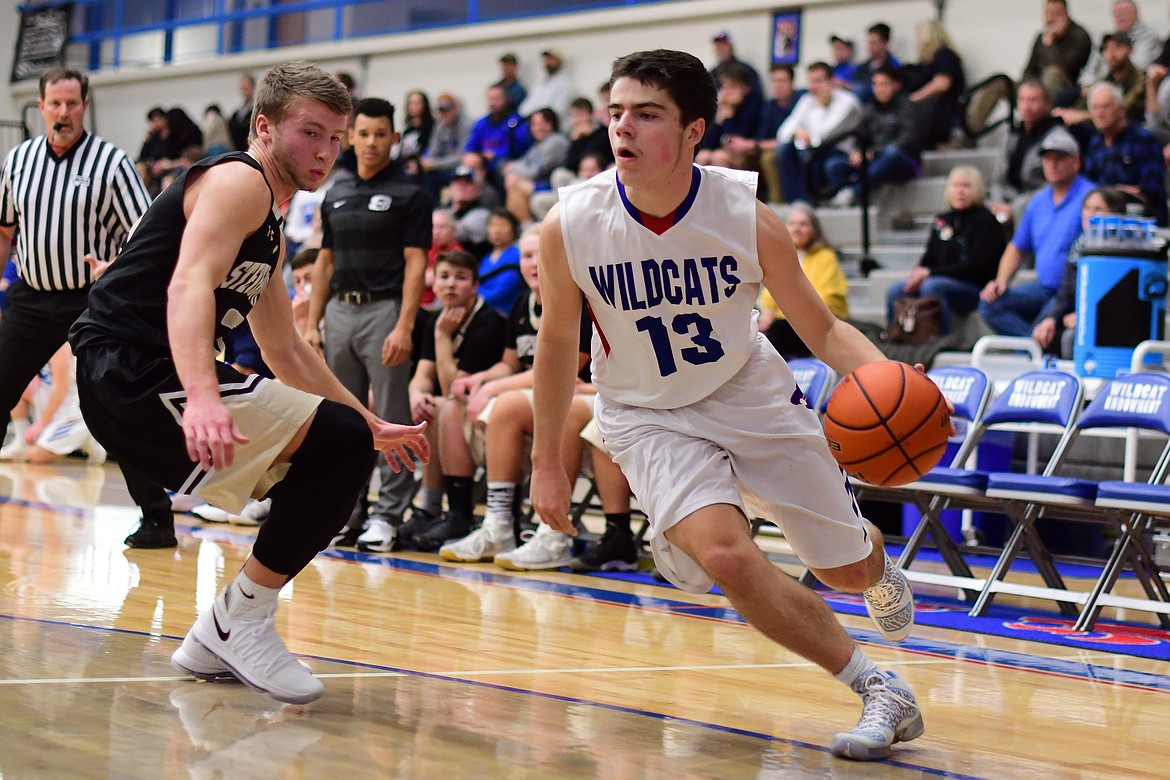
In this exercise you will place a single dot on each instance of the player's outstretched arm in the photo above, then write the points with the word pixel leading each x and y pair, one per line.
pixel 832 340
pixel 299 365
pixel 223 206
pixel 554 375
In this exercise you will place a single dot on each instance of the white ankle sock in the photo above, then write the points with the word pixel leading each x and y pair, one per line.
pixel 249 594
pixel 859 665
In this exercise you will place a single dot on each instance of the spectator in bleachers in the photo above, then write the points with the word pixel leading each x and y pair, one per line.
pixel 1059 54
pixel 1145 43
pixel 843 65
pixel 471 211
pixel 1019 171
pixel 463 337
pixel 217 136
pixel 241 119
pixel 591 165
pixel 1050 224
pixel 587 135
pixel 889 123
pixel 499 278
pixel 302 220
pixel 497 137
pixel 1121 73
pixel 448 138
pixel 555 91
pixel 461 423
pixel 155 146
pixel 759 149
pixel 531 172
pixel 1055 326
pixel 962 253
pixel 509 80
pixel 820 264
pixel 349 82
pixel 725 58
pixel 183 135
pixel 936 82
pixel 1124 155
pixel 443 239
pixel 877 47
pixel 417 127
pixel 821 118
pixel 734 119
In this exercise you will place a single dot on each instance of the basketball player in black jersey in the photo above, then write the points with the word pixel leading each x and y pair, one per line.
pixel 201 261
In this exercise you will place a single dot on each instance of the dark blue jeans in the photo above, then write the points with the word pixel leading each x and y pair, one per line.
pixel 890 165
pixel 1015 312
pixel 792 163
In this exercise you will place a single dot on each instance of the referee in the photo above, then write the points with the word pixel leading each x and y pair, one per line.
pixel 69 198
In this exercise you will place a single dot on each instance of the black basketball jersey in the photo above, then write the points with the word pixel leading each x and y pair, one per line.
pixel 128 305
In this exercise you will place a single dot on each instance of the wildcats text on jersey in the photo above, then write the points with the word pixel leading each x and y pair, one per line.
pixel 633 286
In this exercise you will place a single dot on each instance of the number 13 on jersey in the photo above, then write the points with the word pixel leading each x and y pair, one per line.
pixel 695 328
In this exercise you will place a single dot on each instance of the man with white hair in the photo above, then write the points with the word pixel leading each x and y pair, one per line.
pixel 1147 44
pixel 1124 155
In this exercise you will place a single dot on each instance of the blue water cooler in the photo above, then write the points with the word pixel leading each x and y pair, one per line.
pixel 1121 302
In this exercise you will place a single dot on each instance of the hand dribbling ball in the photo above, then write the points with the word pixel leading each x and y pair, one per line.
pixel 887 423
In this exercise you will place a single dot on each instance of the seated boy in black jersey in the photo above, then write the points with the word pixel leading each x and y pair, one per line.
pixel 463 338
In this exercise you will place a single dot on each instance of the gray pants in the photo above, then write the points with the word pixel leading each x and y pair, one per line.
pixel 354 334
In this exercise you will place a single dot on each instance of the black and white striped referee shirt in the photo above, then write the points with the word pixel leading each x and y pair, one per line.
pixel 67 207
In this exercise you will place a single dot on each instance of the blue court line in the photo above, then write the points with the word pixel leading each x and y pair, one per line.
pixel 959 652
pixel 525 692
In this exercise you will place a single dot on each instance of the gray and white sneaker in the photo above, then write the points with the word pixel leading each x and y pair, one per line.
pixel 547 549
pixel 196 660
pixel 890 604
pixel 889 714
pixel 482 544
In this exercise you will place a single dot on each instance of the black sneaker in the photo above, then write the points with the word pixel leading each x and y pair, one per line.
pixel 347 537
pixel 452 525
pixel 612 552
pixel 421 520
pixel 152 536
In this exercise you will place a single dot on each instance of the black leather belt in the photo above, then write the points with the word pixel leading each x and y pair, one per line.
pixel 365 296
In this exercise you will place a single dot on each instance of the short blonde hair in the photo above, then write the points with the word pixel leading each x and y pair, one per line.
pixel 974 178
pixel 289 82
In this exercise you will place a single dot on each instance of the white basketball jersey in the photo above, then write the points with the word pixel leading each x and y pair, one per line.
pixel 673 313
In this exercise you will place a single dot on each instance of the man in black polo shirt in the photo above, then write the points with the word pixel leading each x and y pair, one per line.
pixel 367 283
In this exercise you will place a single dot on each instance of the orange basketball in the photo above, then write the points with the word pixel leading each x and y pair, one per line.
pixel 887 424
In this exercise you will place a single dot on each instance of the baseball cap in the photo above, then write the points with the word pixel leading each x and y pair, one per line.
pixel 722 35
pixel 838 38
pixel 551 52
pixel 1120 38
pixel 464 172
pixel 508 57
pixel 1060 140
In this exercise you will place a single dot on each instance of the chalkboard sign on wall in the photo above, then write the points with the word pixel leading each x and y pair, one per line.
pixel 40 44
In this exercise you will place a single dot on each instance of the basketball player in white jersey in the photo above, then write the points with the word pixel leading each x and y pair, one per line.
pixel 694 404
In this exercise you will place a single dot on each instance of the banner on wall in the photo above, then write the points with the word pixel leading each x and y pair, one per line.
pixel 41 40
pixel 786 37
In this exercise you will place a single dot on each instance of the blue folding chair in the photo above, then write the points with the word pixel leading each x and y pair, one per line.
pixel 968 389
pixel 1035 402
pixel 815 379
pixel 1137 401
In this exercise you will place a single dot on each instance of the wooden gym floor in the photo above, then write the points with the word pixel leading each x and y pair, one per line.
pixel 438 671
